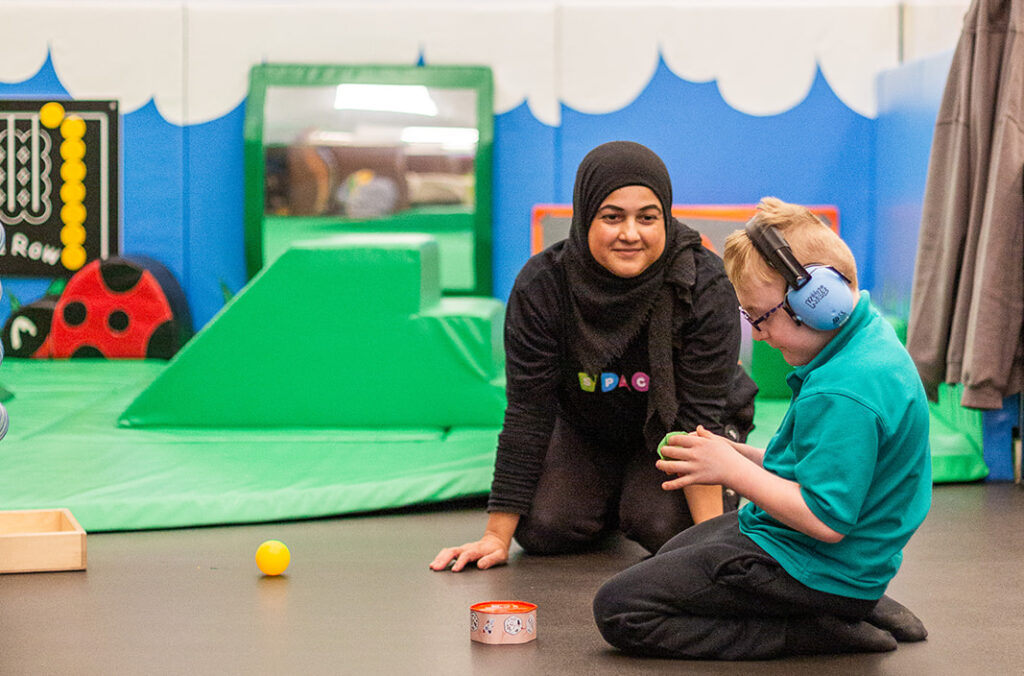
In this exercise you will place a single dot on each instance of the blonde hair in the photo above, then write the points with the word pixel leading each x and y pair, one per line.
pixel 812 242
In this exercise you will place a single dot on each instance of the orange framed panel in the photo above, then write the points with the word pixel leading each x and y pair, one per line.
pixel 539 214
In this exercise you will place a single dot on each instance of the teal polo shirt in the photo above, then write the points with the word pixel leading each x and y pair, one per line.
pixel 855 437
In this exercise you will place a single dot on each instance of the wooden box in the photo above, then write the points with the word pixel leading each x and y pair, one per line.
pixel 39 540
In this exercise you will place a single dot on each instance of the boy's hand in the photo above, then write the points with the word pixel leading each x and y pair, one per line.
pixel 698 458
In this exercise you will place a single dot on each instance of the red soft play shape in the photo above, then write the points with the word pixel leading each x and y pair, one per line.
pixel 113 308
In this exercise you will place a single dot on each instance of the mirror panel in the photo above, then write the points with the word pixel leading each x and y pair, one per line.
pixel 333 149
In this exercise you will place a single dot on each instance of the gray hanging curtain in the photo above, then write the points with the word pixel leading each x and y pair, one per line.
pixel 967 302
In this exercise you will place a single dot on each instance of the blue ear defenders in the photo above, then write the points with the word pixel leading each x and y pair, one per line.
pixel 818 294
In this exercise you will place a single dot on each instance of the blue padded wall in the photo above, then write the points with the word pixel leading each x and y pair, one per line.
pixel 908 102
pixel 819 152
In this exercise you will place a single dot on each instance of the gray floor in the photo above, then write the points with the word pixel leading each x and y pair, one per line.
pixel 359 599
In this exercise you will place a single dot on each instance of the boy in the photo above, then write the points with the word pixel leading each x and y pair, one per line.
pixel 843 484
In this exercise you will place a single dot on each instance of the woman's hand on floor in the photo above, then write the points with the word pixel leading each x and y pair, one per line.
pixel 488 551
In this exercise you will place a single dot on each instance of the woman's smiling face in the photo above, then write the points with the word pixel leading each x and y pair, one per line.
pixel 628 232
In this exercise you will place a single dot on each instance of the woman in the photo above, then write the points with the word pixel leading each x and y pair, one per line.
pixel 623 332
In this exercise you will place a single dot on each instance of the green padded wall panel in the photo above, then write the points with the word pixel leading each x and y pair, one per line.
pixel 350 331
pixel 769 369
pixel 453 232
pixel 957 438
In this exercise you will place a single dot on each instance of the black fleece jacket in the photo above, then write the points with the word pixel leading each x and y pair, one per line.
pixel 609 406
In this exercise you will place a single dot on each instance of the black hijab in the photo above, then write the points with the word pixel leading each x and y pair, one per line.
pixel 607 312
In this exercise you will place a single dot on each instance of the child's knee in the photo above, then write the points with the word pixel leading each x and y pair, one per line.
pixel 605 601
pixel 625 620
pixel 610 611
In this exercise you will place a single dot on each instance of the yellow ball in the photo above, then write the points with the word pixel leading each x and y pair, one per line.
pixel 72 127
pixel 51 114
pixel 72 192
pixel 72 149
pixel 72 235
pixel 273 557
pixel 72 257
pixel 73 214
pixel 72 171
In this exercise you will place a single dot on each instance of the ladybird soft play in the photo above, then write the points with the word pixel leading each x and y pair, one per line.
pixel 27 330
pixel 120 308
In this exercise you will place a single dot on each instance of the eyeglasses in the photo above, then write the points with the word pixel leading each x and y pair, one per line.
pixel 756 323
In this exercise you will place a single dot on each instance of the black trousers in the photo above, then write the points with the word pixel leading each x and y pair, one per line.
pixel 712 593
pixel 589 489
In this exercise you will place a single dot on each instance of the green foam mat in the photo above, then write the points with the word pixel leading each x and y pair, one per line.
pixel 64 449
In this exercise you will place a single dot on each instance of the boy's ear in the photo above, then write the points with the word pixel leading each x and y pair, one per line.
pixel 792 315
